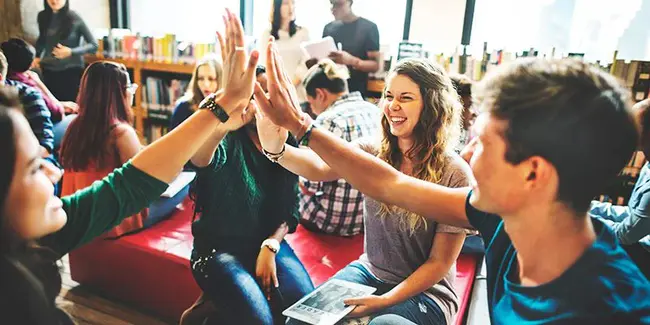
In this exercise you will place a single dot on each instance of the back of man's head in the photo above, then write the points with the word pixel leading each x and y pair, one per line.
pixel 569 113
pixel 3 66
pixel 19 54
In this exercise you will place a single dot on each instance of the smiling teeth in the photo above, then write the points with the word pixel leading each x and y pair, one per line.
pixel 397 119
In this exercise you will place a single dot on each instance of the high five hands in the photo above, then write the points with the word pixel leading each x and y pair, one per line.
pixel 279 109
pixel 238 74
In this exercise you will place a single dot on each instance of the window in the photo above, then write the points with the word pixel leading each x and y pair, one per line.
pixel 190 20
pixel 593 27
pixel 315 14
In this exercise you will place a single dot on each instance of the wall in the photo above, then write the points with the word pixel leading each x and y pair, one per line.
pixel 96 14
pixel 437 23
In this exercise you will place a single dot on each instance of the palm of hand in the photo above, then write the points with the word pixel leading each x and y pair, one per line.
pixel 272 137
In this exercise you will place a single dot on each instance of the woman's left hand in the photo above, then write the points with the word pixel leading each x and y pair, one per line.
pixel 61 52
pixel 366 305
pixel 266 271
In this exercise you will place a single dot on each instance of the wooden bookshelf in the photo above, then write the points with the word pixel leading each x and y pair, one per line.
pixel 139 112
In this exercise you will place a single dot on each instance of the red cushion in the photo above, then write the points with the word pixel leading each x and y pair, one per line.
pixel 150 269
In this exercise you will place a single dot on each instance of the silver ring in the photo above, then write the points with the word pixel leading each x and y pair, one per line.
pixel 240 48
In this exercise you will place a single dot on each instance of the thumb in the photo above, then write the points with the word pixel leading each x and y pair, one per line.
pixel 355 301
pixel 260 98
pixel 249 113
pixel 252 64
pixel 276 283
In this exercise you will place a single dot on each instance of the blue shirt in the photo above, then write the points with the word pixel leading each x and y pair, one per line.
pixel 630 223
pixel 603 286
pixel 182 112
pixel 36 112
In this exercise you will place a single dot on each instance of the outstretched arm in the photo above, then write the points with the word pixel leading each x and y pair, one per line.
pixel 368 174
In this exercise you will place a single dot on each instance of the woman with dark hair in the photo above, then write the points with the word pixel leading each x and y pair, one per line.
pixel 59 49
pixel 206 79
pixel 288 37
pixel 409 259
pixel 101 137
pixel 37 228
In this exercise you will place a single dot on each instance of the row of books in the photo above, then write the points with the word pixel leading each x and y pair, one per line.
pixel 123 44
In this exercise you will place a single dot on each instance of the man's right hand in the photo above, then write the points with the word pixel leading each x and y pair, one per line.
pixel 272 137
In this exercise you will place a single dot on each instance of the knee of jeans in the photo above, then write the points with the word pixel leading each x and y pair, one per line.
pixel 389 319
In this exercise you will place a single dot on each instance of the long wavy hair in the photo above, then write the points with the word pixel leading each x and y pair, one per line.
pixel 276 20
pixel 103 103
pixel 435 133
pixel 194 94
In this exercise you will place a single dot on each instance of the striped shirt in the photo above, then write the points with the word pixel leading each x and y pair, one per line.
pixel 335 207
pixel 36 112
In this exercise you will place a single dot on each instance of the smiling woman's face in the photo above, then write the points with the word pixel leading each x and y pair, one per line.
pixel 31 210
pixel 402 105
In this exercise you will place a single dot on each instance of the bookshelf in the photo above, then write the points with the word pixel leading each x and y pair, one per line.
pixel 140 68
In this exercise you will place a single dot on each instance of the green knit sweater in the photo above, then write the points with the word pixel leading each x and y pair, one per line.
pixel 242 197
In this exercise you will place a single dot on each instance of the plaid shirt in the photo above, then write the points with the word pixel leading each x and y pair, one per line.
pixel 335 207
pixel 36 112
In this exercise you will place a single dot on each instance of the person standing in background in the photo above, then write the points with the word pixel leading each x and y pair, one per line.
pixel 359 44
pixel 59 50
pixel 288 37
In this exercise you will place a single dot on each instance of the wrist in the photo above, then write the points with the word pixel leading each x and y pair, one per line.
pixel 388 299
pixel 301 126
pixel 271 244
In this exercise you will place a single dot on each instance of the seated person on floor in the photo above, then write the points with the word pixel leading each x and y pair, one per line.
pixel 335 207
pixel 410 260
pixel 245 205
pixel 463 86
pixel 206 79
pixel 542 120
pixel 101 137
pixel 36 112
pixel 631 223
pixel 20 56
pixel 37 228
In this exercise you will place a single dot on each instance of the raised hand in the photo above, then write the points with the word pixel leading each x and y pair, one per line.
pixel 238 73
pixel 281 106
pixel 272 137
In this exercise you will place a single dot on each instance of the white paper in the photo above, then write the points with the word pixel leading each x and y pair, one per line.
pixel 178 184
pixel 319 49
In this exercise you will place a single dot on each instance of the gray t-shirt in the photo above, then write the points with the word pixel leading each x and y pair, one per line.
pixel 392 253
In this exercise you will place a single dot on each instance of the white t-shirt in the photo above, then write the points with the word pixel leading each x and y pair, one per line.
pixel 291 53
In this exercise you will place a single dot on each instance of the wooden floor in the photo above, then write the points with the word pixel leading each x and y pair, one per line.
pixel 90 308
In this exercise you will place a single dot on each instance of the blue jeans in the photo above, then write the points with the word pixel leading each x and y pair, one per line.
pixel 419 309
pixel 228 279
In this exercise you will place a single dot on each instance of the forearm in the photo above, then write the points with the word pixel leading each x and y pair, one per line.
pixel 419 281
pixel 91 43
pixel 379 180
pixel 165 157
pixel 306 163
pixel 632 228
pixel 369 65
pixel 205 154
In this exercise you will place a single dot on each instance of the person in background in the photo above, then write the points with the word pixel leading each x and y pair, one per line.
pixel 359 39
pixel 36 112
pixel 59 48
pixel 260 76
pixel 631 223
pixel 206 79
pixel 20 56
pixel 101 138
pixel 463 86
pixel 409 259
pixel 553 134
pixel 335 207
pixel 288 37
pixel 37 228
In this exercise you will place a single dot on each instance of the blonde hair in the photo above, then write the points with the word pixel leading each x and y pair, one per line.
pixel 435 133
pixel 193 93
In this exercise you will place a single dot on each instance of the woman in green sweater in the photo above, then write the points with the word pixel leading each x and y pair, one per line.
pixel 36 227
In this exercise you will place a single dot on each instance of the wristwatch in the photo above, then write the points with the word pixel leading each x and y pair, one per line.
pixel 271 244
pixel 210 104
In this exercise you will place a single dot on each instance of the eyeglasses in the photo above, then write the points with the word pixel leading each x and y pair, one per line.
pixel 132 88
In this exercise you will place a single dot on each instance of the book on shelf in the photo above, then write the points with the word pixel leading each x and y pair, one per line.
pixel 159 97
pixel 129 45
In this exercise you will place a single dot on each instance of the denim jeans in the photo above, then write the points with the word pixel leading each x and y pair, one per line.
pixel 419 309
pixel 228 279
